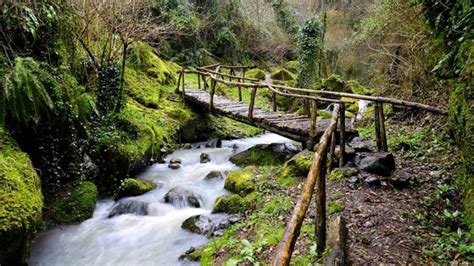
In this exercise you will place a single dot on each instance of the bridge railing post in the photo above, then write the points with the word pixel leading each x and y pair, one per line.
pixel 213 90
pixel 378 139
pixel 199 81
pixel 381 121
pixel 252 103
pixel 342 132
pixel 182 83
pixel 320 218
pixel 274 102
pixel 179 82
pixel 314 117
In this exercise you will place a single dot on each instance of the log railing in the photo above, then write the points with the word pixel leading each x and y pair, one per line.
pixel 325 149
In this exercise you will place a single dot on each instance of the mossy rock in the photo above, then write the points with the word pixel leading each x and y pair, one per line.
pixel 300 163
pixel 76 207
pixel 264 154
pixel 335 83
pixel 283 74
pixel 21 202
pixel 240 182
pixel 356 88
pixel 132 187
pixel 229 204
pixel 353 107
pixel 293 66
pixel 324 114
pixel 255 73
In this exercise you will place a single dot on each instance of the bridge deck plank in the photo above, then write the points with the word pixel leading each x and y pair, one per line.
pixel 293 126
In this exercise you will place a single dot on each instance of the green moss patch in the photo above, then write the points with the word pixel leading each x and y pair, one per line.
pixel 78 206
pixel 240 182
pixel 229 204
pixel 255 73
pixel 21 201
pixel 283 74
pixel 131 187
pixel 293 66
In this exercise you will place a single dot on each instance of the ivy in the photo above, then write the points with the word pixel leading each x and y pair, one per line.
pixel 309 43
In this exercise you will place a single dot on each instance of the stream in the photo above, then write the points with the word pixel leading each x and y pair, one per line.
pixel 153 239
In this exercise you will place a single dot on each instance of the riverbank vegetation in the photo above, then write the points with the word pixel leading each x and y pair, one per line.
pixel 87 100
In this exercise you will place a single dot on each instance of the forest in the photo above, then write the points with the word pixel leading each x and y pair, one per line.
pixel 236 132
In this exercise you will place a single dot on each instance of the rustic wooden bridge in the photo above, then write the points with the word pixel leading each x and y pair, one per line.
pixel 302 128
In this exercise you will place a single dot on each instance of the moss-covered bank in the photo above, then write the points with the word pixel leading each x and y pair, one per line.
pixel 21 201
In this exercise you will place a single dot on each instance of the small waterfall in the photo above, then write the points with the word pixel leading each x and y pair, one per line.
pixel 146 230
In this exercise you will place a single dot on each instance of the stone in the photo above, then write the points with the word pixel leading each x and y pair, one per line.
pixel 265 154
pixel 240 182
pixel 174 166
pixel 336 242
pixel 234 218
pixel 204 158
pixel 372 180
pixel 380 163
pixel 132 187
pixel 187 146
pixel 214 143
pixel 182 197
pixel 400 179
pixel 435 174
pixel 214 175
pixel 129 207
pixel 349 171
pixel 206 225
pixel 300 163
pixel 361 145
pixel 229 204
pixel 175 161
pixel 349 152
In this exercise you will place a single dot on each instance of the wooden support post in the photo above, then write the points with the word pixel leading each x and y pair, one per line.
pixel 182 84
pixel 383 134
pixel 320 218
pixel 377 126
pixel 274 101
pixel 199 81
pixel 240 90
pixel 313 115
pixel 213 90
pixel 252 103
pixel 342 131
pixel 204 82
pixel 332 150
pixel 179 82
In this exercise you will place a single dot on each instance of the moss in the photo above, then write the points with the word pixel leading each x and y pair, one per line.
pixel 240 182
pixel 226 128
pixel 21 201
pixel 229 204
pixel 297 166
pixel 356 88
pixel 335 207
pixel 324 114
pixel 255 73
pixel 261 155
pixel 335 83
pixel 293 66
pixel 142 57
pixel 282 74
pixel 131 187
pixel 353 107
pixel 76 207
pixel 336 174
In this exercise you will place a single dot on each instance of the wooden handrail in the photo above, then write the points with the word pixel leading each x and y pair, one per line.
pixel 292 230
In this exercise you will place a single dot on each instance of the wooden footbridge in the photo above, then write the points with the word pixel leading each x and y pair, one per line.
pixel 298 127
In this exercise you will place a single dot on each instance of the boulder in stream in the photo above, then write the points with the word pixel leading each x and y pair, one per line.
pixel 207 224
pixel 204 158
pixel 182 197
pixel 214 175
pixel 214 143
pixel 131 187
pixel 175 163
pixel 129 207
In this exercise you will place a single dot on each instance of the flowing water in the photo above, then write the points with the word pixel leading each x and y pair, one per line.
pixel 153 239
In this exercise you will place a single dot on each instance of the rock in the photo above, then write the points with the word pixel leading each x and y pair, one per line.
pixel 182 197
pixel 265 154
pixel 381 163
pixel 235 147
pixel 229 204
pixel 174 166
pixel 187 146
pixel 77 206
pixel 214 175
pixel 349 152
pixel 206 225
pixel 300 163
pixel 361 145
pixel 204 158
pixel 129 207
pixel 192 254
pixel 214 143
pixel 175 161
pixel 131 187
pixel 336 242
pixel 400 179
pixel 372 180
pixel 233 218
pixel 349 171
pixel 353 181
pixel 240 182
pixel 436 174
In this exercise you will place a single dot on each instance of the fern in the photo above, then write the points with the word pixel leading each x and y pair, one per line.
pixel 26 98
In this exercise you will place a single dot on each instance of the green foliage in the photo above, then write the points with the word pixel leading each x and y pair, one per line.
pixel 277 206
pixel 227 128
pixel 240 182
pixel 78 206
pixel 309 43
pixel 110 98
pixel 335 207
pixel 255 73
pixel 293 66
pixel 131 187
pixel 283 74
pixel 285 17
pixel 21 201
